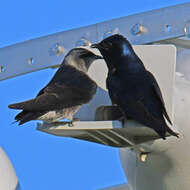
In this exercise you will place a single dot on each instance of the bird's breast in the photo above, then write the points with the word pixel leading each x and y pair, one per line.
pixel 56 115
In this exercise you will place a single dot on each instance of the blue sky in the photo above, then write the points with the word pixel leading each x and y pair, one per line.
pixel 42 161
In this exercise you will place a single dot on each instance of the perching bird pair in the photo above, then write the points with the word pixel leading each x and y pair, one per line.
pixel 131 87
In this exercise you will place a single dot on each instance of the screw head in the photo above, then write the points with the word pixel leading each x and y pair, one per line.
pixel 168 28
pixel 31 61
pixel 2 69
pixel 138 29
pixel 83 42
pixel 187 29
pixel 57 49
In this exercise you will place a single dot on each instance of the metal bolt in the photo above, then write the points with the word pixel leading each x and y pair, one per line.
pixel 143 156
pixel 57 49
pixel 2 69
pixel 187 29
pixel 110 33
pixel 31 61
pixel 138 29
pixel 168 28
pixel 83 42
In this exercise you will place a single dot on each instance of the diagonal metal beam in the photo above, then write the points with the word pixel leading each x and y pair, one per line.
pixel 48 51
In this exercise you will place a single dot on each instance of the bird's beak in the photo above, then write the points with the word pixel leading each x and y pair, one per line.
pixel 98 57
pixel 95 46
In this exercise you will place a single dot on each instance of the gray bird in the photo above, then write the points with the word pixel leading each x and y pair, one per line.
pixel 133 88
pixel 62 97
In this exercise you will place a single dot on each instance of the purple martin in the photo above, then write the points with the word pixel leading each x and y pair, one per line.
pixel 67 91
pixel 133 88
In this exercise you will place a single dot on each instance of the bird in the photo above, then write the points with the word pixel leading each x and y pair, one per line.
pixel 67 91
pixel 132 87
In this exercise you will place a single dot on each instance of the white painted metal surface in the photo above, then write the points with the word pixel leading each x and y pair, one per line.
pixel 8 178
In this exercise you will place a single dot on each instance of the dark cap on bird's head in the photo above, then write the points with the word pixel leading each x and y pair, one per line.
pixel 114 42
pixel 81 58
pixel 114 48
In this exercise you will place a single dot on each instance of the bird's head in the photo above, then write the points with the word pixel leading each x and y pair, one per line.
pixel 81 58
pixel 113 49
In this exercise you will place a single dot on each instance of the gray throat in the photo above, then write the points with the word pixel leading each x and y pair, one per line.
pixel 78 64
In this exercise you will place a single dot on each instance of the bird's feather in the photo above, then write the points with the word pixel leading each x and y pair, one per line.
pixel 132 87
pixel 63 93
pixel 158 93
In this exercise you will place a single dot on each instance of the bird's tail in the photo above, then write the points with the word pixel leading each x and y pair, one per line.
pixel 171 132
pixel 21 105
pixel 26 116
pixel 16 105
pixel 163 128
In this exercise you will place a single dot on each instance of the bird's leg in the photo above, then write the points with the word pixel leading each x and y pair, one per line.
pixel 66 122
pixel 122 119
pixel 70 124
pixel 123 116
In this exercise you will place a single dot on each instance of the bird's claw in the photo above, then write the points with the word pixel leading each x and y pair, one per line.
pixel 70 124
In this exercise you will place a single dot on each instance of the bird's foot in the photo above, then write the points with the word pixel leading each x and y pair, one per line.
pixel 70 124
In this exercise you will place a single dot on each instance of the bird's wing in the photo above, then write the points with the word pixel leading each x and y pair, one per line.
pixel 138 111
pixel 61 94
pixel 135 106
pixel 157 91
pixel 56 97
pixel 112 85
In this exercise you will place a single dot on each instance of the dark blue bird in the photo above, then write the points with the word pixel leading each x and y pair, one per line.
pixel 133 88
